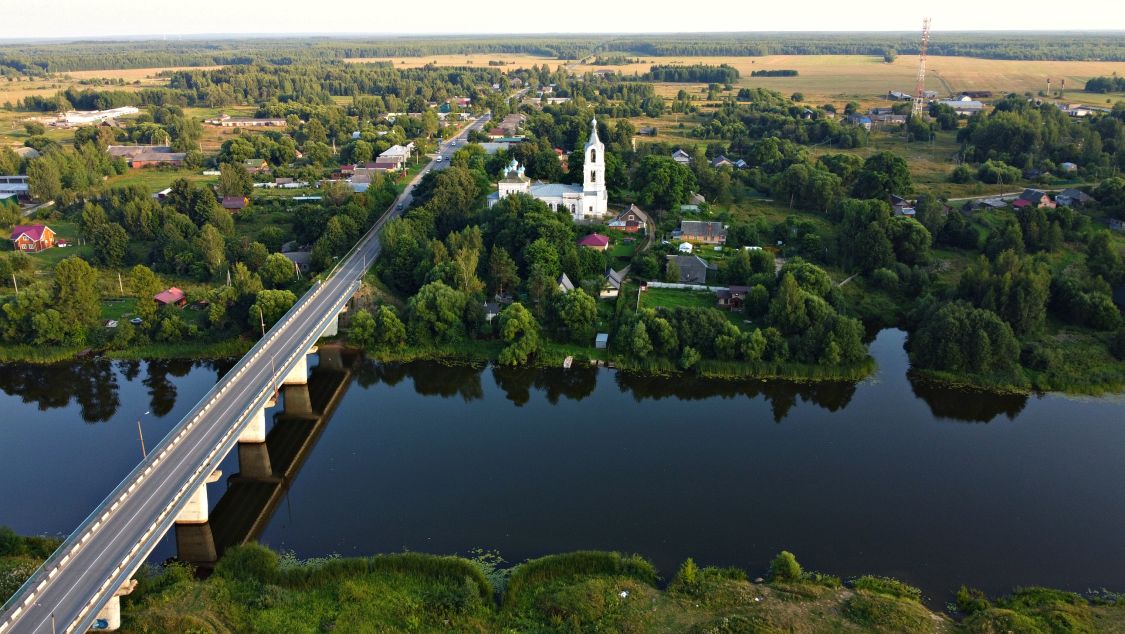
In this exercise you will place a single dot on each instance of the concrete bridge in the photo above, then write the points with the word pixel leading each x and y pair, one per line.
pixel 80 585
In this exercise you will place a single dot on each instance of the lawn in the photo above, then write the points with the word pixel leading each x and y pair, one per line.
pixel 676 298
pixel 156 179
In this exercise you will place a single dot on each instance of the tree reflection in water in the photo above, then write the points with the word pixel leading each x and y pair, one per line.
pixel 963 404
pixel 94 385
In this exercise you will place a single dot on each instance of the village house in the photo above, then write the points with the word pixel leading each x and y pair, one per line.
pixel 565 285
pixel 1033 198
pixel 611 287
pixel 693 269
pixel 32 238
pixel 226 121
pixel 235 203
pixel 394 158
pixel 256 165
pixel 631 220
pixel 139 156
pixel 171 297
pixel 860 120
pixel 681 157
pixel 15 184
pixel 595 241
pixel 721 161
pixel 703 232
pixel 732 298
pixel 1073 198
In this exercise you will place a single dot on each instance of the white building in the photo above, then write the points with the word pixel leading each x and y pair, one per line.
pixel 589 200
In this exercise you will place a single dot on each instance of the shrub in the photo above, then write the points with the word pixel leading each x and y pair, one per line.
pixel 784 567
pixel 887 614
pixel 971 600
pixel 889 587
pixel 582 563
pixel 1000 621
pixel 687 577
pixel 249 562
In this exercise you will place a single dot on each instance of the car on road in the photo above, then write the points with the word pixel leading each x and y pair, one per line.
pixel 136 321
pixel 453 143
pixel 438 159
pixel 401 206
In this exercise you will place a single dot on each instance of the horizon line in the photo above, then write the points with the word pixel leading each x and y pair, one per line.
pixel 149 37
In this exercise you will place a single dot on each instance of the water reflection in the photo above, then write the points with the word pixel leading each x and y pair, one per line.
pixel 93 385
pixel 964 404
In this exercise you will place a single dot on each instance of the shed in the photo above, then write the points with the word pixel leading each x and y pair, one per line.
pixel 171 297
pixel 601 340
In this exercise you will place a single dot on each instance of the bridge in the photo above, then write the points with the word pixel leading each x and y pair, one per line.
pixel 80 585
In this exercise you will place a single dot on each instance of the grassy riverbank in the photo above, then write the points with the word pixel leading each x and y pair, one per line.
pixel 223 349
pixel 254 590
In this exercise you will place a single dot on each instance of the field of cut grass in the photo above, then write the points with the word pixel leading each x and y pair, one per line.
pixel 839 78
pixel 513 62
pixel 156 179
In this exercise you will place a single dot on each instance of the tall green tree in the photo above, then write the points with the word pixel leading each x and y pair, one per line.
pixel 76 291
pixel 520 332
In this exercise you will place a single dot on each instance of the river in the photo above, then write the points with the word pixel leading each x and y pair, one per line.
pixel 937 487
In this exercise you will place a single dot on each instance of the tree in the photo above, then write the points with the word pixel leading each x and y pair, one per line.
pixel 234 180
pixel 578 313
pixel 269 306
pixel 145 285
pixel 960 338
pixel 784 567
pixel 639 343
pixel 662 183
pixel 110 244
pixel 44 180
pixel 212 248
pixel 243 281
pixel 277 271
pixel 362 330
pixel 389 329
pixel 434 314
pixel 884 173
pixel 503 275
pixel 519 330
pixel 76 292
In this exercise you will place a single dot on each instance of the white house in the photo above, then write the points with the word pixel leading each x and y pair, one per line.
pixel 589 200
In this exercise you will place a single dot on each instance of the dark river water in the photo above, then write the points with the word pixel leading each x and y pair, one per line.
pixel 888 476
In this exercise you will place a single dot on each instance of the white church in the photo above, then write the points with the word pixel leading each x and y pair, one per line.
pixel 588 201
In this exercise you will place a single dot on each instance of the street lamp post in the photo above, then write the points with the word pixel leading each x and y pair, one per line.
pixel 141 435
pixel 262 319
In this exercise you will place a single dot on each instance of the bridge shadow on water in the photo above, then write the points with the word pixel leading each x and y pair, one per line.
pixel 267 469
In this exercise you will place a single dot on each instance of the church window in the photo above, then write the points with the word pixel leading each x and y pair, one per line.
pixel 593 156
pixel 593 176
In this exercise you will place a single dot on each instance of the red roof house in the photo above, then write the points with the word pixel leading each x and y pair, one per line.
pixel 32 238
pixel 1020 203
pixel 595 241
pixel 171 296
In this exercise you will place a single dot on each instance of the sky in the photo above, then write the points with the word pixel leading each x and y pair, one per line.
pixel 158 18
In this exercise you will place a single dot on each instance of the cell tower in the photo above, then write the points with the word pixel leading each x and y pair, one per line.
pixel 920 87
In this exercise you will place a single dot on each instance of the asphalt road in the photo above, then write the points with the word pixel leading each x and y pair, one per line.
pixel 68 591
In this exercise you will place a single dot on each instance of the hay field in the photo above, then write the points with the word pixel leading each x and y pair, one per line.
pixel 476 59
pixel 143 75
pixel 850 76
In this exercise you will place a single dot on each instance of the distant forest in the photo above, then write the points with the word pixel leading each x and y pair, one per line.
pixel 1105 84
pixel 43 58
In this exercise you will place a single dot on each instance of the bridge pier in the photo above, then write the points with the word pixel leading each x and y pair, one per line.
pixel 297 400
pixel 299 375
pixel 195 511
pixel 109 619
pixel 254 461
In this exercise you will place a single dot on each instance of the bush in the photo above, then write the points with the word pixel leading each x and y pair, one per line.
pixel 582 563
pixel 887 614
pixel 889 587
pixel 687 578
pixel 1000 621
pixel 971 600
pixel 784 567
pixel 249 562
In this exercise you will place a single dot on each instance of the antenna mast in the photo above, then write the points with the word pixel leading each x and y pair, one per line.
pixel 920 87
